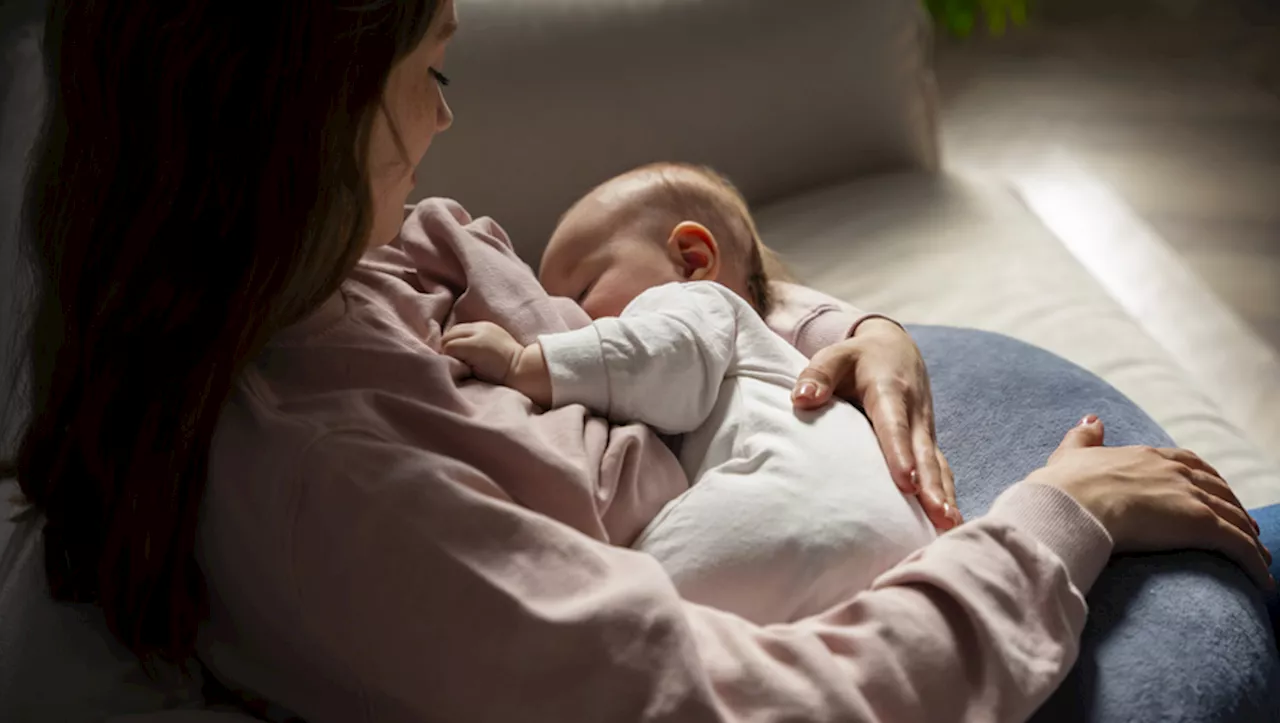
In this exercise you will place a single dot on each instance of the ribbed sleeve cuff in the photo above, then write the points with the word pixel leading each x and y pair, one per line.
pixel 825 328
pixel 828 327
pixel 575 362
pixel 1060 524
pixel 867 317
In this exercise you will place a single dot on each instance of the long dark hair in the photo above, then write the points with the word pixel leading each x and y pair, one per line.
pixel 199 183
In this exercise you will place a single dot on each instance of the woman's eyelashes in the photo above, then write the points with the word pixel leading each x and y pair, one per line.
pixel 441 78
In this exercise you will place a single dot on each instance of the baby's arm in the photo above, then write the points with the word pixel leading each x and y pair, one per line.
pixel 660 363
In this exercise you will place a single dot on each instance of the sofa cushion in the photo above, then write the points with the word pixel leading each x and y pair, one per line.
pixel 942 250
pixel 554 96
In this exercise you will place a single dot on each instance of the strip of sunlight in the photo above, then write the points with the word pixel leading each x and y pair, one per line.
pixel 1136 267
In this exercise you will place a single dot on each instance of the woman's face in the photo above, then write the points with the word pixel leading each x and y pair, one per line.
pixel 415 102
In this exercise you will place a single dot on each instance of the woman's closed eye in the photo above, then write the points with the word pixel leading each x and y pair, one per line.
pixel 440 78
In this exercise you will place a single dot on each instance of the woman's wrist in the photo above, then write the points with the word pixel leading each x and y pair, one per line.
pixel 874 324
pixel 1059 522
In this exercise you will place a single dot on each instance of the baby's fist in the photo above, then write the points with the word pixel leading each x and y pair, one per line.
pixel 487 348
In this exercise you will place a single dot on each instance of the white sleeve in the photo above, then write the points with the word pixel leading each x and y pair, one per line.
pixel 660 363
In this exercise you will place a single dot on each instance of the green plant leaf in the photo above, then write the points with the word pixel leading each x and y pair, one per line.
pixel 1018 12
pixel 997 22
pixel 960 17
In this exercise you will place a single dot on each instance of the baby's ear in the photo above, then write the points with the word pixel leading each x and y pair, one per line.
pixel 694 251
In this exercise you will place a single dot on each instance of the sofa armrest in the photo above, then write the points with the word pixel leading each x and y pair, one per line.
pixel 555 96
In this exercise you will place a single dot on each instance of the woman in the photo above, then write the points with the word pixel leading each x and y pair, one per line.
pixel 380 537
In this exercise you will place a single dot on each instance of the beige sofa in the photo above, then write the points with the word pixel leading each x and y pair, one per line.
pixel 824 112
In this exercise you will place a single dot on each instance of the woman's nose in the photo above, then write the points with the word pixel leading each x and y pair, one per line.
pixel 444 116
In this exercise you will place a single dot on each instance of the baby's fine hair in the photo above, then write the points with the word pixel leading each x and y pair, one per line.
pixel 731 224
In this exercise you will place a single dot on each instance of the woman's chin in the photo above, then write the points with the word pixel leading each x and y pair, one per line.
pixel 383 234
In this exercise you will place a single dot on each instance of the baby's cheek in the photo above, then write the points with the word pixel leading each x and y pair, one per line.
pixel 595 307
pixel 605 301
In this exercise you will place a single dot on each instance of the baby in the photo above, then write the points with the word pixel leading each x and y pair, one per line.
pixel 788 513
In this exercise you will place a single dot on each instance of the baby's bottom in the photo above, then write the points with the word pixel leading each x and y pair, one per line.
pixel 775 549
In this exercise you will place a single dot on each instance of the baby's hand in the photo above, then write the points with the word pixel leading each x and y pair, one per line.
pixel 496 357
pixel 490 351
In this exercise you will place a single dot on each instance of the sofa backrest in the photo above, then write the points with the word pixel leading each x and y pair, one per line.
pixel 554 96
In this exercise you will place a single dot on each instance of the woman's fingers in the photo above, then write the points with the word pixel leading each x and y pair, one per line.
pixel 1227 539
pixel 813 389
pixel 1190 459
pixel 933 493
pixel 1208 479
pixel 1203 475
pixel 1214 485
pixel 1218 496
pixel 889 417
pixel 949 486
pixel 1237 518
pixel 1232 531
pixel 1088 432
pixel 816 383
pixel 944 467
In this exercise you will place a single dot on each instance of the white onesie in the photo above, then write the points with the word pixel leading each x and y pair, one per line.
pixel 788 513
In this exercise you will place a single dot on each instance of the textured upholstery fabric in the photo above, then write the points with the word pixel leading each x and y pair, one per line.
pixel 554 96
pixel 941 250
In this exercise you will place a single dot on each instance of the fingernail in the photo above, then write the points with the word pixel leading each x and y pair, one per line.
pixel 1089 419
pixel 808 390
pixel 1256 528
pixel 914 480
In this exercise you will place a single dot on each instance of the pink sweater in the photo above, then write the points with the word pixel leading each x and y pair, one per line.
pixel 386 539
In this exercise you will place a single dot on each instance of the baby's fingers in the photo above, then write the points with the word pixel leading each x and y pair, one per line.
pixel 456 332
pixel 461 346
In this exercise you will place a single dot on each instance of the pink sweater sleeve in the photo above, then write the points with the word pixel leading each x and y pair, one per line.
pixel 501 614
pixel 811 320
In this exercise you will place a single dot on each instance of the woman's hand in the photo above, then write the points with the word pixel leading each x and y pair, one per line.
pixel 1155 500
pixel 881 369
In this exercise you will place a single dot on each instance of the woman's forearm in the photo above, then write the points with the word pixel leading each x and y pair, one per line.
pixel 811 320
pixel 980 625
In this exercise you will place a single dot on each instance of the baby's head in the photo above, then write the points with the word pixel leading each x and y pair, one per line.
pixel 654 225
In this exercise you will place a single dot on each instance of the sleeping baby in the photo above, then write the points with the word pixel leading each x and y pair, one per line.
pixel 789 513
